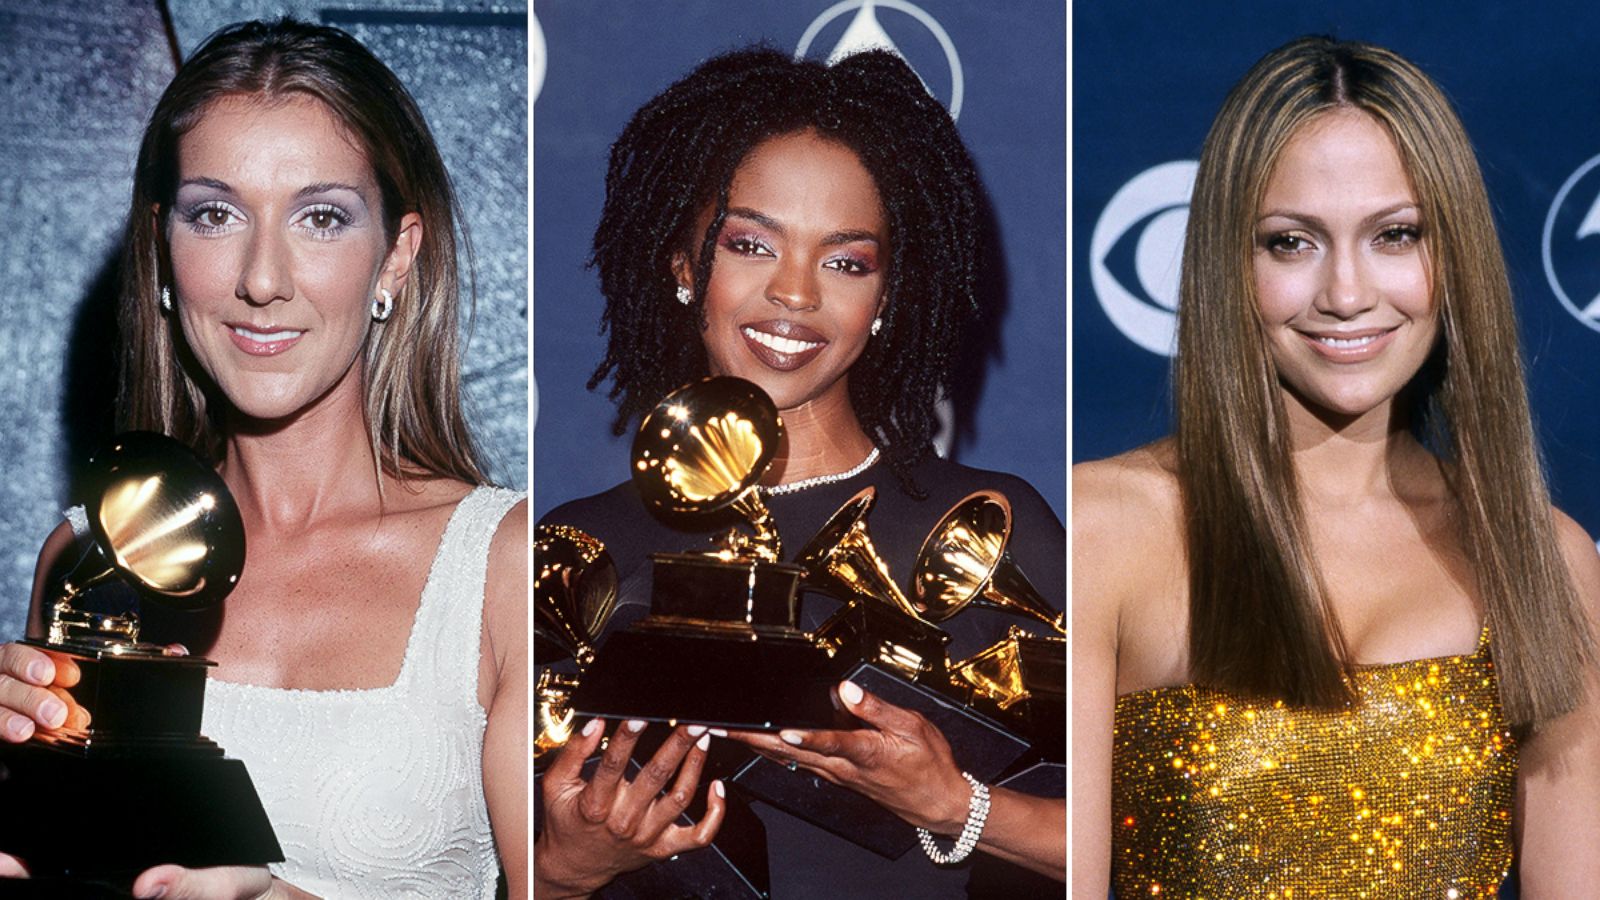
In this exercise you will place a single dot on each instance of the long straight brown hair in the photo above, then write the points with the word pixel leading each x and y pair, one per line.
pixel 411 370
pixel 1259 616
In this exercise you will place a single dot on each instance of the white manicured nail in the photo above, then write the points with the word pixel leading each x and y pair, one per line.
pixel 704 743
pixel 591 728
pixel 696 730
pixel 636 725
pixel 850 692
pixel 791 737
pixel 717 786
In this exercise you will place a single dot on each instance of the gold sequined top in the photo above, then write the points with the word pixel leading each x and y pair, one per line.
pixel 1406 794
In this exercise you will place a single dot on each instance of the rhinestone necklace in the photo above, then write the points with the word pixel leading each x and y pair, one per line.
pixel 815 480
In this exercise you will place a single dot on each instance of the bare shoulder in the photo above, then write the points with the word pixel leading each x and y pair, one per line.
pixel 1127 539
pixel 1131 495
pixel 505 595
pixel 1583 559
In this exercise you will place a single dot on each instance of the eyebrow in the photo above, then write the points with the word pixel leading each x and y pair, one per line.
pixel 320 187
pixel 831 239
pixel 1316 222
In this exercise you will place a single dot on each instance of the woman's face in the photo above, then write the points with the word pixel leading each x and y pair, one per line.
pixel 277 248
pixel 1341 266
pixel 799 271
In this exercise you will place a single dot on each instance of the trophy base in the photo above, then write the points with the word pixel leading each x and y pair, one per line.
pixel 980 746
pixel 759 683
pixel 132 783
pixel 72 814
pixel 138 703
pixel 1022 683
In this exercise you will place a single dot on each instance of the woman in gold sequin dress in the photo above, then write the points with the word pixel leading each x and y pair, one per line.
pixel 1354 655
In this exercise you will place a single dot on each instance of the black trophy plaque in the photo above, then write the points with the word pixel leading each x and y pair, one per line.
pixel 128 782
pixel 979 745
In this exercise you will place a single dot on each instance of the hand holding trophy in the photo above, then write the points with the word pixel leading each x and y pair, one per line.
pixel 127 773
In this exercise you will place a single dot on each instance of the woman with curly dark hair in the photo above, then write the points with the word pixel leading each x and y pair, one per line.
pixel 816 230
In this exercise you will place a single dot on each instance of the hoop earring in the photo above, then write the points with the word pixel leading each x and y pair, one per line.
pixel 877 324
pixel 684 296
pixel 382 305
pixel 166 299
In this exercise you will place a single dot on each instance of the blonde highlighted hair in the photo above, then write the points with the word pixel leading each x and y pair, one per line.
pixel 1249 549
pixel 411 368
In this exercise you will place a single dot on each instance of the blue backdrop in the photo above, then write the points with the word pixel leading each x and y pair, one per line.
pixel 1005 63
pixel 1146 84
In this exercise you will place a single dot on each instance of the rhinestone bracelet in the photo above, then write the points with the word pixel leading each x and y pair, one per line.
pixel 977 814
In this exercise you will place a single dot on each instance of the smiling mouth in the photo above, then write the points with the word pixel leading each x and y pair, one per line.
pixel 1350 347
pixel 782 345
pixel 263 343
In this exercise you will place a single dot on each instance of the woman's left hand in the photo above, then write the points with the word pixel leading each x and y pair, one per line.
pixel 214 883
pixel 900 761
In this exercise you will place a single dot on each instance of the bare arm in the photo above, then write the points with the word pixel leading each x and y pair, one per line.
pixel 902 762
pixel 505 740
pixel 1094 687
pixel 1558 782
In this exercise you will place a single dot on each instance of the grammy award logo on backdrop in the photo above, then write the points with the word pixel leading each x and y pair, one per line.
pixel 1571 252
pixel 1135 253
pixel 866 31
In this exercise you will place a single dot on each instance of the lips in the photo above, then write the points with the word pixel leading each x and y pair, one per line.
pixel 265 340
pixel 1355 345
pixel 782 344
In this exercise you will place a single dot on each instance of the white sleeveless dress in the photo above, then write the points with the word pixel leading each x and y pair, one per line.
pixel 379 792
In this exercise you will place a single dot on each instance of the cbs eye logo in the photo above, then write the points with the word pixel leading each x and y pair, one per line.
pixel 1136 250
pixel 1570 247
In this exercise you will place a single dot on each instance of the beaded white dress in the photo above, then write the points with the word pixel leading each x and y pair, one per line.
pixel 378 793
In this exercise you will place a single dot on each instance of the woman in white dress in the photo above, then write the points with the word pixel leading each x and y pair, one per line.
pixel 289 309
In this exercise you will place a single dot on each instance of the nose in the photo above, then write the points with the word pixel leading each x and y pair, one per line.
pixel 1347 290
pixel 267 274
pixel 794 285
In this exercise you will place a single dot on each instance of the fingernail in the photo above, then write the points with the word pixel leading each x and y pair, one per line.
pixel 41 671
pixel 717 786
pixel 720 732
pixel 850 692
pixel 54 712
pixel 636 725
pixel 790 737
pixel 696 730
pixel 20 728
pixel 591 728
pixel 704 743
pixel 160 890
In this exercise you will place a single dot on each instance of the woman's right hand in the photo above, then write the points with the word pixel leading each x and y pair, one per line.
pixel 597 829
pixel 33 691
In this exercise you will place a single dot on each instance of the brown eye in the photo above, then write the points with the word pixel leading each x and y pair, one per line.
pixel 216 217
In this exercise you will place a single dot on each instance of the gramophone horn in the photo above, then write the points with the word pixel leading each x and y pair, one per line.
pixel 574 593
pixel 704 447
pixel 160 519
pixel 840 559
pixel 964 560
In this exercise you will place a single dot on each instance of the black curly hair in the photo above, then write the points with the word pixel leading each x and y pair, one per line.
pixel 678 156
